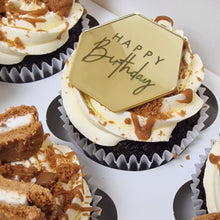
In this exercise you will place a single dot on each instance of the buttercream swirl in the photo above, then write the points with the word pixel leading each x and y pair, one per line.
pixel 151 122
pixel 35 27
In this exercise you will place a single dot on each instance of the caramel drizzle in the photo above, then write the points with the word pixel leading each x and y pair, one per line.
pixel 215 160
pixel 15 43
pixel 127 121
pixel 103 124
pixel 168 19
pixel 76 206
pixel 184 64
pixel 16 11
pixel 33 21
pixel 188 93
pixel 143 132
pixel 182 113
pixel 63 31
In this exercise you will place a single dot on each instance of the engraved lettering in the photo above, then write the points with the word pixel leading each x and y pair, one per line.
pixel 159 60
pixel 149 53
pixel 98 52
pixel 126 65
pixel 141 88
pixel 138 47
pixel 126 61
pixel 117 37
pixel 127 43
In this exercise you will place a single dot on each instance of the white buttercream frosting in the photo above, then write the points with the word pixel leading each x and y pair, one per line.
pixel 15 122
pixel 13 197
pixel 211 179
pixel 23 33
pixel 107 128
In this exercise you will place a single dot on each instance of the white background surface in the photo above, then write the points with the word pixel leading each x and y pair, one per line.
pixel 139 195
pixel 200 20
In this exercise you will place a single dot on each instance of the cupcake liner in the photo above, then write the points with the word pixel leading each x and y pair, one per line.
pixel 133 164
pixel 197 202
pixel 45 70
pixel 95 198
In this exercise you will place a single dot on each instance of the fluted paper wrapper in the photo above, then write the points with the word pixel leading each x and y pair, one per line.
pixel 46 70
pixel 197 202
pixel 133 164
pixel 95 199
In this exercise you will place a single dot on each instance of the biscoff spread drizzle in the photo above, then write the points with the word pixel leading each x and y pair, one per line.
pixel 151 111
pixel 40 27
pixel 15 43
pixel 188 93
pixel 215 160
pixel 59 172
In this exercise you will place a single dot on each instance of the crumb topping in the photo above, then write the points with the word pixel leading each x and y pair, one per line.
pixel 63 7
pixel 151 109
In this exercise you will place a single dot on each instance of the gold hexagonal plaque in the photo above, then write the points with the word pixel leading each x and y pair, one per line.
pixel 127 62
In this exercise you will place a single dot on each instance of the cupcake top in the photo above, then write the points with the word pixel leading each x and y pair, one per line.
pixel 28 155
pixel 57 169
pixel 150 122
pixel 34 27
pixel 212 178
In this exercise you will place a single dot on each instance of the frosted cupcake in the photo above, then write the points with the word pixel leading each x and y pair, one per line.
pixel 46 182
pixel 145 136
pixel 35 37
pixel 206 185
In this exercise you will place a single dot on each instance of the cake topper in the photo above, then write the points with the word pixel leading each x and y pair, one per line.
pixel 127 62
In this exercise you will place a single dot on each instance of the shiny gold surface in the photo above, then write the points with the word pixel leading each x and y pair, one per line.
pixel 127 62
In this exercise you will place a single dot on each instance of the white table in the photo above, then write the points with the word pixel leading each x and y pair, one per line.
pixel 199 19
pixel 141 195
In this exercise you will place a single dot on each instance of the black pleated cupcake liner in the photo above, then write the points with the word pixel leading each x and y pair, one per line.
pixel 134 164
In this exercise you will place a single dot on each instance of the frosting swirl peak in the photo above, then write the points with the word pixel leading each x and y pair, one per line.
pixel 35 27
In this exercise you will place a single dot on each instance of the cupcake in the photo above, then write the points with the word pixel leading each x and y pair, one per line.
pixel 48 183
pixel 205 186
pixel 145 136
pixel 35 36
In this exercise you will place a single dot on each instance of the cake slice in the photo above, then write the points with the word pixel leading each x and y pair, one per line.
pixel 21 133
pixel 20 200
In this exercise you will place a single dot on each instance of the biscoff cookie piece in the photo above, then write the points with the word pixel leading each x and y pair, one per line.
pixel 20 200
pixel 21 133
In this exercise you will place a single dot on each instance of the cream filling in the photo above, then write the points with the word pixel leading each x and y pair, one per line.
pixel 41 38
pixel 211 181
pixel 16 122
pixel 13 197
